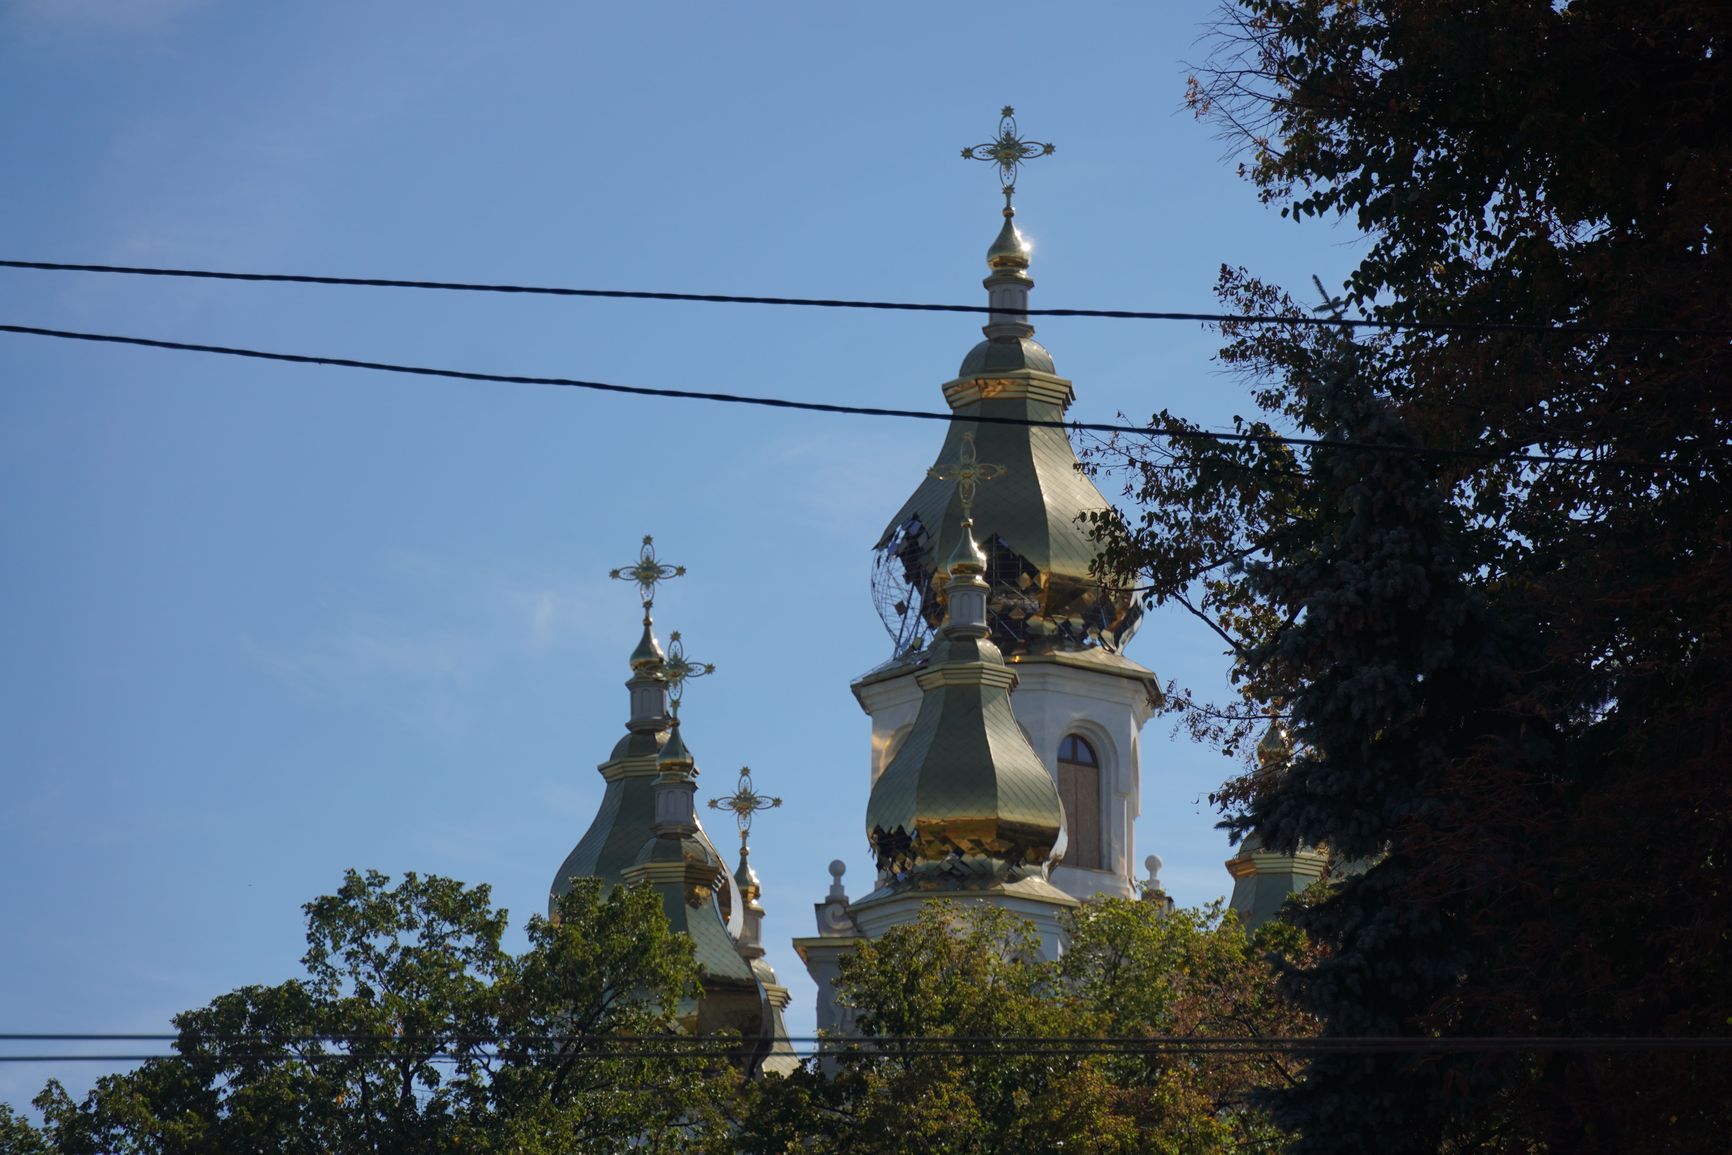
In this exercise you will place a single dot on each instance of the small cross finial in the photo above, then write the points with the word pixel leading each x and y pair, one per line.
pixel 647 572
pixel 677 670
pixel 967 472
pixel 1008 151
pixel 745 802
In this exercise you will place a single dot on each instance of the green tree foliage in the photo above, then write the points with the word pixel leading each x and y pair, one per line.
pixel 18 1137
pixel 414 1031
pixel 966 973
pixel 1509 678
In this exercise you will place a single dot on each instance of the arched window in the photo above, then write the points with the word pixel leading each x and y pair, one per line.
pixel 1079 788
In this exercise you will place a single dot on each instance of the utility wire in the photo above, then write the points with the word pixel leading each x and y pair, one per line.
pixel 831 407
pixel 637 1045
pixel 688 1049
pixel 908 306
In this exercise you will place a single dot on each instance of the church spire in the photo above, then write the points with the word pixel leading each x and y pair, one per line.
pixel 746 803
pixel 646 831
pixel 1034 530
pixel 1007 288
pixel 678 862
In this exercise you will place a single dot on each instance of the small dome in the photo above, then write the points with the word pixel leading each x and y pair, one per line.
pixel 1006 355
pixel 746 878
pixel 1276 747
pixel 674 756
pixel 1009 250
pixel 648 656
pixel 966 557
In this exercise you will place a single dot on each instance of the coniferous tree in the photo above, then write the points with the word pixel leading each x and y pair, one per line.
pixel 1551 811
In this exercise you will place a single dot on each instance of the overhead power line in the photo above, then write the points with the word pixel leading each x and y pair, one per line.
pixel 831 407
pixel 904 306
pixel 448 1048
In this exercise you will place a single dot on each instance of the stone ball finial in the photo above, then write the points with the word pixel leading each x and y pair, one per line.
pixel 837 893
pixel 1154 864
pixel 837 869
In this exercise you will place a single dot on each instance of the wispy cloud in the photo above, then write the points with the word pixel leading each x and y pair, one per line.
pixel 449 628
pixel 844 477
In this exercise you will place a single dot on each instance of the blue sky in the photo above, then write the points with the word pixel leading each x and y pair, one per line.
pixel 266 622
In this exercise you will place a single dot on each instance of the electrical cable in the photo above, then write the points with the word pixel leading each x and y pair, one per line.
pixel 832 407
pixel 908 306
pixel 670 1047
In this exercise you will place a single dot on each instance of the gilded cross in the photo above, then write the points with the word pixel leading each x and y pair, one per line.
pixel 967 473
pixel 745 802
pixel 677 669
pixel 1008 151
pixel 647 571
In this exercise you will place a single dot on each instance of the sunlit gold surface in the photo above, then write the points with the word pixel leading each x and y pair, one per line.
pixel 965 794
pixel 1030 516
pixel 967 471
pixel 1010 250
pixel 1033 526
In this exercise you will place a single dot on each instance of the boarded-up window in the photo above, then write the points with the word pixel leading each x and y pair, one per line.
pixel 1079 788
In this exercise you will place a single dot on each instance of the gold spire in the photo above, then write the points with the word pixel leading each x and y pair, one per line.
pixel 647 658
pixel 647 572
pixel 676 671
pixel 1036 534
pixel 745 802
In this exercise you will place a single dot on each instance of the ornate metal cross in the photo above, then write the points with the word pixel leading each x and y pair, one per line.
pixel 647 572
pixel 1008 151
pixel 677 669
pixel 967 473
pixel 745 802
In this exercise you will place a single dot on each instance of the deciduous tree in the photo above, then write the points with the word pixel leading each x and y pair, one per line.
pixel 1013 1068
pixel 414 1031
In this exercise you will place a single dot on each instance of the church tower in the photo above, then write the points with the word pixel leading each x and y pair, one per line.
pixel 1080 701
pixel 1024 801
pixel 646 833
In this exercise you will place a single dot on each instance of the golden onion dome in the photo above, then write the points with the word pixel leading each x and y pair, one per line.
pixel 966 800
pixel 648 656
pixel 674 756
pixel 966 558
pixel 1032 524
pixel 1009 250
pixel 1274 751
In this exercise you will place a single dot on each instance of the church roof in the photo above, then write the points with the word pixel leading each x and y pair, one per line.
pixel 1033 522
